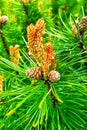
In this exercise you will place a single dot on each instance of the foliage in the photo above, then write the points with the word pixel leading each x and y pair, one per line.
pixel 41 104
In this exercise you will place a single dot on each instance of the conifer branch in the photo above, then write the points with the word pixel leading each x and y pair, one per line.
pixel 79 31
pixel 26 13
pixel 81 46
pixel 54 100
pixel 4 41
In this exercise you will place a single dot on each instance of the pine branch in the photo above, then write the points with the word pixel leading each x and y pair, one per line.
pixel 26 13
pixel 54 100
pixel 81 46
pixel 4 41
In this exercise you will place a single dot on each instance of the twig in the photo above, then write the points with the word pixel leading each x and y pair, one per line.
pixel 81 46
pixel 54 100
pixel 4 41
pixel 26 12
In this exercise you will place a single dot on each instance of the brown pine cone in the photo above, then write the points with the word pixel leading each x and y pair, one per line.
pixel 3 19
pixel 54 76
pixel 83 25
pixel 34 73
pixel 26 1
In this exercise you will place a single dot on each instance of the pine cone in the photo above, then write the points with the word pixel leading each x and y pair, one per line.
pixel 34 73
pixel 83 25
pixel 3 19
pixel 26 1
pixel 54 76
pixel 23 1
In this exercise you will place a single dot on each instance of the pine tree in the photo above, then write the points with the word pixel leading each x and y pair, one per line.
pixel 43 67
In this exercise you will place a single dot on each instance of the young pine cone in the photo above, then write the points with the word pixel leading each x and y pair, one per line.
pixel 26 1
pixel 54 76
pixel 34 73
pixel 3 19
pixel 83 25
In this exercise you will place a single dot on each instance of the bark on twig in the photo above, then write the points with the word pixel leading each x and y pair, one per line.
pixel 26 12
pixel 4 41
pixel 81 46
pixel 54 100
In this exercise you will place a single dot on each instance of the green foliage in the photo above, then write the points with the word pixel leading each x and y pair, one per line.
pixel 27 104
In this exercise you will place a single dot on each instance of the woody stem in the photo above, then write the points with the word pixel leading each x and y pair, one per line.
pixel 4 41
pixel 81 46
pixel 54 100
pixel 26 13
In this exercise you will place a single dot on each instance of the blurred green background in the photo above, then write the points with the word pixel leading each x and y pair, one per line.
pixel 21 14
